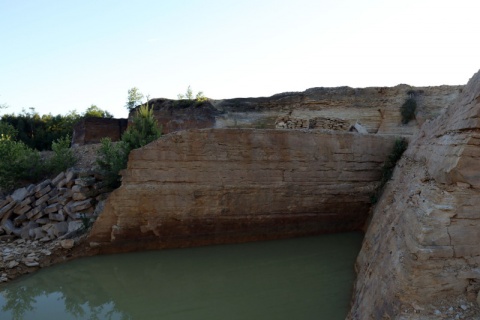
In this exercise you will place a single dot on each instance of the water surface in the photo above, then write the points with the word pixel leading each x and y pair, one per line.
pixel 303 278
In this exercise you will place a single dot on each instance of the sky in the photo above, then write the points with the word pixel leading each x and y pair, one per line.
pixel 60 56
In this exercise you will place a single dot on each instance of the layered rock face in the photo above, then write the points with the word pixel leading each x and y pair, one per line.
pixel 377 109
pixel 231 185
pixel 422 245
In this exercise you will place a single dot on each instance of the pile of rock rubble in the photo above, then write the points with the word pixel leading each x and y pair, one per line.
pixel 53 208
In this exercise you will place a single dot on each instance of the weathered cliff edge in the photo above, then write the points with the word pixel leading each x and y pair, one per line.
pixel 377 109
pixel 422 245
pixel 211 186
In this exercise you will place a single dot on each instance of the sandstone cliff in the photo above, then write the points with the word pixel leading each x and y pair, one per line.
pixel 422 246
pixel 231 185
pixel 375 108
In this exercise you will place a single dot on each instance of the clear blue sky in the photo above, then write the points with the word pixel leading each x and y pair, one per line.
pixel 58 56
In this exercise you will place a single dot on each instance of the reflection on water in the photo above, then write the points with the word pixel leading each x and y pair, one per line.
pixel 305 278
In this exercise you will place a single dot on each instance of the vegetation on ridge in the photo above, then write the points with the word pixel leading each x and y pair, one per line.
pixel 113 157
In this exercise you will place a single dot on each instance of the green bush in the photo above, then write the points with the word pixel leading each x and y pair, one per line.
pixel 112 158
pixel 143 129
pixel 7 131
pixel 186 100
pixel 18 162
pixel 63 157
pixel 407 110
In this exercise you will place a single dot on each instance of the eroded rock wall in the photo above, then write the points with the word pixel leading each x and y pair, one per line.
pixel 422 246
pixel 376 108
pixel 231 185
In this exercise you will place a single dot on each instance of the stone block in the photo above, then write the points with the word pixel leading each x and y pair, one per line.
pixel 67 243
pixel 62 183
pixel 42 200
pixel 63 200
pixel 79 196
pixel 43 191
pixel 56 217
pixel 52 208
pixel 70 175
pixel 60 229
pixel 79 189
pixel 28 200
pixel 22 209
pixel 58 178
pixel 42 221
pixel 7 208
pixel 41 185
pixel 20 194
pixel 3 202
pixel 35 211
pixel 10 228
pixel 85 182
pixel 74 226
pixel 53 192
pixel 19 220
pixel 81 205
pixel 53 199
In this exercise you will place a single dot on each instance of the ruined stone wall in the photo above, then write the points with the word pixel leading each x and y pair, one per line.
pixel 92 130
pixel 422 246
pixel 210 186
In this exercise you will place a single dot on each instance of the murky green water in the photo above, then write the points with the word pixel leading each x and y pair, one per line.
pixel 304 278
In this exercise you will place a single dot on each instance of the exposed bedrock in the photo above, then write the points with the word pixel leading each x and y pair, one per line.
pixel 210 186
pixel 377 109
pixel 422 245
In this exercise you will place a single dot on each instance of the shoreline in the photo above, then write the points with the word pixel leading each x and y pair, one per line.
pixel 20 257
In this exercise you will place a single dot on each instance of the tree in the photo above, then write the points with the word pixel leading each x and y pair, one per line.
pixel 188 94
pixel 7 131
pixel 134 99
pixel 96 112
pixel 143 129
pixel 113 157
pixel 199 97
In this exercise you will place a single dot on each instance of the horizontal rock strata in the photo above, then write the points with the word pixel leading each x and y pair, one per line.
pixel 422 246
pixel 376 108
pixel 230 185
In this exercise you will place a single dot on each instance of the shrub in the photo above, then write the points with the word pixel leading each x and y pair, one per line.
pixel 63 157
pixel 18 162
pixel 7 131
pixel 143 129
pixel 407 110
pixel 112 158
pixel 186 100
